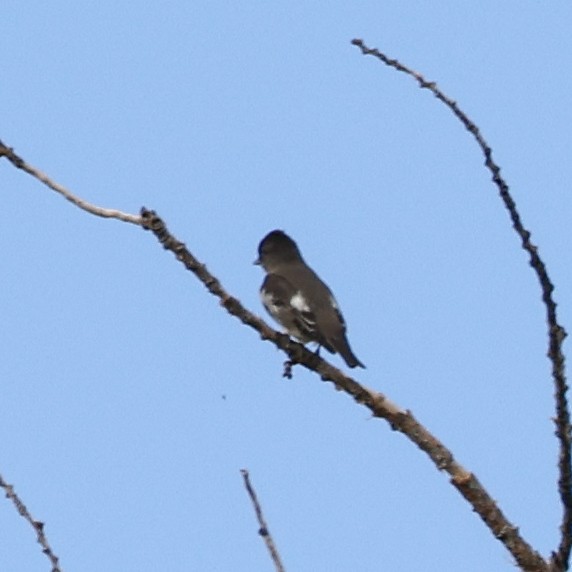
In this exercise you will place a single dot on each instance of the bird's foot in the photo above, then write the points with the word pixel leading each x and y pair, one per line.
pixel 288 364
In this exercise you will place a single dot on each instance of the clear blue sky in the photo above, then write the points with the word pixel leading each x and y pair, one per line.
pixel 231 119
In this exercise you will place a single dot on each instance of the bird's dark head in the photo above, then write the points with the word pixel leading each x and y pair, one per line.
pixel 277 248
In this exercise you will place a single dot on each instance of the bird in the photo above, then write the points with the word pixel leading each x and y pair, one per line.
pixel 296 297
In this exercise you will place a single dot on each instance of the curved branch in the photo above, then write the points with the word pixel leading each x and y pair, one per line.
pixel 556 333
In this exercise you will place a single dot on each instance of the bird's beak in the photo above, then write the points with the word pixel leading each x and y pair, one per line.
pixel 257 262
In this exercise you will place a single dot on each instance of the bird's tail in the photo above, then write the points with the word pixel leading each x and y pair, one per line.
pixel 342 346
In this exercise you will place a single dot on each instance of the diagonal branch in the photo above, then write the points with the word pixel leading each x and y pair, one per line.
pixel 37 525
pixel 263 530
pixel 379 405
pixel 556 333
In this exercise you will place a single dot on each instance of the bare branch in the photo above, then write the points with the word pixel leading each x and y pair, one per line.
pixel 92 209
pixel 556 333
pixel 36 524
pixel 403 421
pixel 263 530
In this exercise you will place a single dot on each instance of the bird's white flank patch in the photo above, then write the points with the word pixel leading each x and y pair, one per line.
pixel 299 302
pixel 269 303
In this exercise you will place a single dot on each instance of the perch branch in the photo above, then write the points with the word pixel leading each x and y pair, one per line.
pixel 379 405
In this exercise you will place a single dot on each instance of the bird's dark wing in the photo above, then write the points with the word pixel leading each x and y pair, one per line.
pixel 288 306
pixel 328 318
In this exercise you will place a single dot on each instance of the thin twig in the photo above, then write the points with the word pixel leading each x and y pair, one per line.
pixel 556 333
pixel 403 421
pixel 36 524
pixel 263 530
pixel 92 209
